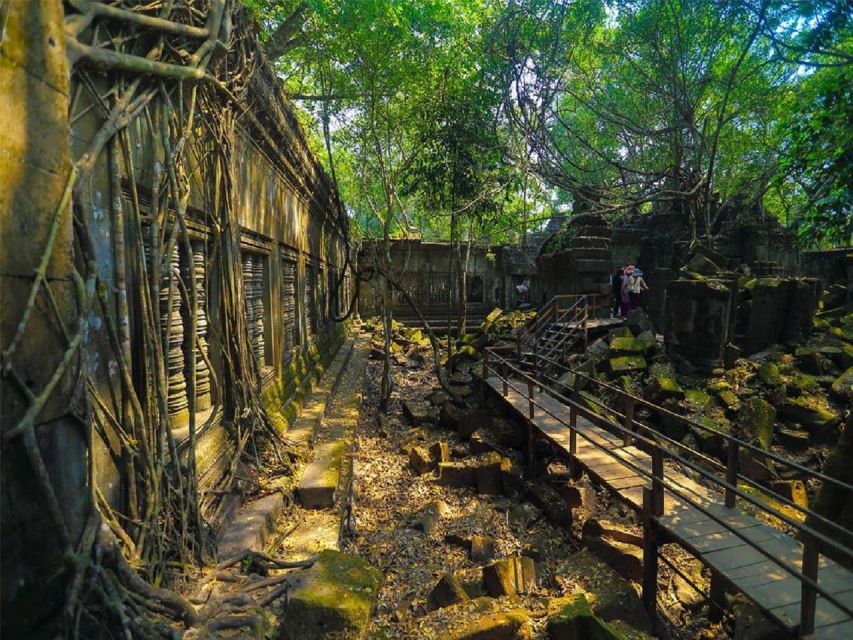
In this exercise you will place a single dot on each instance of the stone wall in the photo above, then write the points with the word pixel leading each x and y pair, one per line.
pixel 830 267
pixel 426 271
pixel 291 251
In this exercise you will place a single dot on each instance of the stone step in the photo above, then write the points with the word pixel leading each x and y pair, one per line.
pixel 318 487
pixel 251 526
pixel 306 427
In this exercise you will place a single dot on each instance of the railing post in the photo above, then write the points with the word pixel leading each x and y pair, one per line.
pixel 808 602
pixel 731 474
pixel 530 398
pixel 574 467
pixel 506 384
pixel 657 482
pixel 650 559
pixel 629 421
pixel 485 375
pixel 585 326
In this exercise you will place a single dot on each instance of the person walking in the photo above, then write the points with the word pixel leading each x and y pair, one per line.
pixel 625 291
pixel 637 285
pixel 616 286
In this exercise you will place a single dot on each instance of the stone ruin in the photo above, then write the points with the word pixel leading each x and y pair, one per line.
pixel 715 312
pixel 578 258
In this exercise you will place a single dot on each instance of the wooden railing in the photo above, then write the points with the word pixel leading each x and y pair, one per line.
pixel 498 362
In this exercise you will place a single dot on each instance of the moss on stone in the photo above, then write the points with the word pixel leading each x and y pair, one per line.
pixel 663 386
pixel 571 618
pixel 514 624
pixel 627 363
pixel 842 387
pixel 811 411
pixel 769 375
pixel 632 346
pixel 728 399
pixel 333 599
pixel 698 398
pixel 758 419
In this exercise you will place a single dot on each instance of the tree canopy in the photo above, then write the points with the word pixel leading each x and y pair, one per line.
pixel 464 119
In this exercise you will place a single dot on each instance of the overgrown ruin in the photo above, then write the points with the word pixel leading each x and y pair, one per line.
pixel 235 405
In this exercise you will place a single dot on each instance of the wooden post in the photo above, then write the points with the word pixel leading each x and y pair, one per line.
pixel 506 384
pixel 485 375
pixel 585 327
pixel 573 431
pixel 530 398
pixel 717 596
pixel 656 505
pixel 629 421
pixel 808 602
pixel 731 473
pixel 650 558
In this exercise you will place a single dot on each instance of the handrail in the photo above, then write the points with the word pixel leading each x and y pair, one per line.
pixel 657 435
pixel 726 436
pixel 652 444
pixel 806 580
pixel 580 314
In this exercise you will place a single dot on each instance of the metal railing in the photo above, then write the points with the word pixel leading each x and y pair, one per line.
pixel 650 441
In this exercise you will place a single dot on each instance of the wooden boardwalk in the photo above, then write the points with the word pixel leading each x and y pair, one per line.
pixel 715 544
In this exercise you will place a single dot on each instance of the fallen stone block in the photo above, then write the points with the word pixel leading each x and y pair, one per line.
pixel 332 599
pixel 570 618
pixel 490 474
pixel 595 528
pixel 420 460
pixel 549 501
pixel 427 518
pixel 416 412
pixel 448 592
pixel 624 559
pixel 499 578
pixel 439 452
pixel 319 482
pixel 483 548
pixel 457 474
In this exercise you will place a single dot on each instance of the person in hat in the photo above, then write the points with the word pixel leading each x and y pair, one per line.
pixel 636 286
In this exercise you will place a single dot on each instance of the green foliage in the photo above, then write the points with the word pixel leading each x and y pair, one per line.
pixel 478 118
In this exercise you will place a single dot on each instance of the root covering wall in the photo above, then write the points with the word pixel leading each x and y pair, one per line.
pixel 200 252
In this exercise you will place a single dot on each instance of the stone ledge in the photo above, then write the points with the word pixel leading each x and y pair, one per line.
pixel 251 526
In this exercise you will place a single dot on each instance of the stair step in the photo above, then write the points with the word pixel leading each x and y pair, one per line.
pixel 251 526
pixel 319 483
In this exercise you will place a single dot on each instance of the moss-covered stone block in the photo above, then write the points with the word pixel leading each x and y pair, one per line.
pixel 758 419
pixel 333 599
pixel 571 618
pixel 769 375
pixel 624 364
pixel 810 411
pixel 842 387
pixel 641 345
pixel 514 624
pixel 663 386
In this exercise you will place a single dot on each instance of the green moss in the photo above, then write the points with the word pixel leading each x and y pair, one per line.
pixel 334 598
pixel 758 419
pixel 663 386
pixel 799 383
pixel 627 363
pixel 514 623
pixel 698 398
pixel 769 375
pixel 728 399
pixel 811 411
pixel 843 385
pixel 632 346
pixel 572 617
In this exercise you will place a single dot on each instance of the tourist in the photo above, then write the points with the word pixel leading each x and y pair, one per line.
pixel 625 290
pixel 616 286
pixel 636 287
